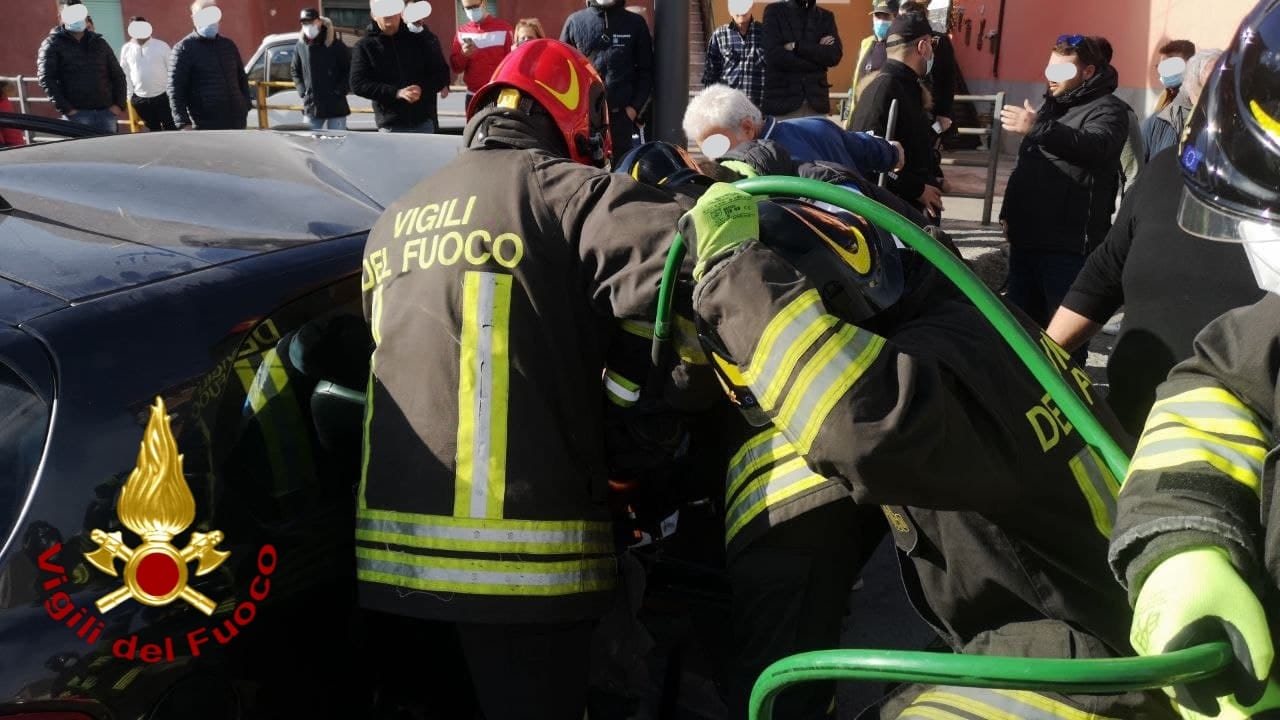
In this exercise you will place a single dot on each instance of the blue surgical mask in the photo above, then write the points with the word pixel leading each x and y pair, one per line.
pixel 208 31
pixel 1171 81
pixel 474 14
pixel 881 28
pixel 78 26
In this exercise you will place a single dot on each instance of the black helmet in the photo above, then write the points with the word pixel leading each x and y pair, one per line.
pixel 658 163
pixel 1230 151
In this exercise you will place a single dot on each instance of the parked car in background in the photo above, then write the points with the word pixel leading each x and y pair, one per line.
pixel 272 60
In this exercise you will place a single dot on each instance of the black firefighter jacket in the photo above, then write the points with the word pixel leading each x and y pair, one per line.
pixel 383 64
pixel 619 46
pixel 1204 473
pixel 1062 192
pixel 321 71
pixel 897 81
pixel 207 84
pixel 798 76
pixel 1001 508
pixel 492 289
pixel 80 75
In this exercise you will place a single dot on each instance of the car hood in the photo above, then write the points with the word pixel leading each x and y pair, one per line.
pixel 96 215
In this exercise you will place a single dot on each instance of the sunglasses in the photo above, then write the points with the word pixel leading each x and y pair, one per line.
pixel 1072 40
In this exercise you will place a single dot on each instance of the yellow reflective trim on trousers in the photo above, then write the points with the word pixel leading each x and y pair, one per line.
pixel 848 377
pixel 776 327
pixel 1178 445
pixel 779 449
pixel 740 513
pixel 485 577
pixel 820 325
pixel 483 376
pixel 1098 486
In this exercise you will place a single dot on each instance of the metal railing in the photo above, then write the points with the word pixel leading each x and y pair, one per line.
pixel 262 88
pixel 992 162
pixel 26 100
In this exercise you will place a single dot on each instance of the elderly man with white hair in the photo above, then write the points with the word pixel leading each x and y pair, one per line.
pixel 719 118
pixel 1164 129
pixel 207 85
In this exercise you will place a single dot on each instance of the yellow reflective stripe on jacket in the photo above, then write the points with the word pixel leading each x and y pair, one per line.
pixel 264 378
pixel 1000 704
pixel 541 537
pixel 1175 445
pixel 928 712
pixel 783 328
pixel 827 376
pixel 775 486
pixel 1098 486
pixel 1211 409
pixel 770 447
pixel 483 377
pixel 485 577
pixel 620 391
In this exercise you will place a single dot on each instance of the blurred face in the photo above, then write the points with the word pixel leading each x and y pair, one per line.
pixel 1060 87
pixel 524 35
pixel 741 20
pixel 389 24
pixel 744 132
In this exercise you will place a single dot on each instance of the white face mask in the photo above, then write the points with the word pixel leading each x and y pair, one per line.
pixel 1262 247
pixel 311 31
pixel 414 28
pixel 475 14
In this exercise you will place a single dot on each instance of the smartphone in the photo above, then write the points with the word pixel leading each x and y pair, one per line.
pixel 937 127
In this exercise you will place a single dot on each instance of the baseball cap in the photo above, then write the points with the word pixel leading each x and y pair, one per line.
pixel 889 7
pixel 909 27
pixel 308 15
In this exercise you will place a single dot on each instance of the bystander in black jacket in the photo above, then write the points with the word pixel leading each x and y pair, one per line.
pixel 383 64
pixel 798 76
pixel 1171 284
pixel 322 73
pixel 898 81
pixel 620 47
pixel 207 84
pixel 80 75
pixel 1062 192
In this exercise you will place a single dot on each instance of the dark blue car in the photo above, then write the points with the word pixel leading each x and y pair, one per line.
pixel 192 294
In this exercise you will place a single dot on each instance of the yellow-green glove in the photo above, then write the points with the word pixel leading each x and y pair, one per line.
pixel 724 218
pixel 1197 596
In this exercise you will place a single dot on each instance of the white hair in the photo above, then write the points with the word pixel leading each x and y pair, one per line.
pixel 718 106
pixel 1197 71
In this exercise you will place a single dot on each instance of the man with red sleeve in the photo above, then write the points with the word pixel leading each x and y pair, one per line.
pixel 479 45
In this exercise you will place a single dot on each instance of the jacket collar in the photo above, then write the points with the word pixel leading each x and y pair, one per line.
pixel 899 69
pixel 752 24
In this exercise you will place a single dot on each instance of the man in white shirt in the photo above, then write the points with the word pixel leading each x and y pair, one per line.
pixel 146 70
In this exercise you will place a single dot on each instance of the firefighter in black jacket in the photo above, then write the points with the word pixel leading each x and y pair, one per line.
pixel 1197 537
pixel 920 407
pixel 400 73
pixel 492 289
pixel 620 47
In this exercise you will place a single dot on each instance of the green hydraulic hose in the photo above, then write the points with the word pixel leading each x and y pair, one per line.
pixel 1116 675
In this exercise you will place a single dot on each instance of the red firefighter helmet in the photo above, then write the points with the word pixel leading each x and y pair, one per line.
pixel 564 83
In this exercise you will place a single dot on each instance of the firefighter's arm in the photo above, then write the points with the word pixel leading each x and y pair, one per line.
pixel 1196 477
pixel 894 426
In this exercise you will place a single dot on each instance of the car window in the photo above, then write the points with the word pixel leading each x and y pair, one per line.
pixel 24 421
pixel 291 405
pixel 281 61
pixel 258 71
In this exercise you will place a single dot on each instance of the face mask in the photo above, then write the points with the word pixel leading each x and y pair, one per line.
pixel 208 31
pixel 414 28
pixel 928 65
pixel 605 3
pixel 78 26
pixel 1171 81
pixel 311 31
pixel 881 28
pixel 474 14
pixel 1262 247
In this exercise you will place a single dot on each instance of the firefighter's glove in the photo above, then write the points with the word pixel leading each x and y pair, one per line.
pixel 1195 597
pixel 724 219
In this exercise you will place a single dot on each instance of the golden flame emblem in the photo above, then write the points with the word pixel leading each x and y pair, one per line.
pixel 157 504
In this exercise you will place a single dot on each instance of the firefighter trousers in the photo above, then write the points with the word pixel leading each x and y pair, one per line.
pixel 790 594
pixel 529 671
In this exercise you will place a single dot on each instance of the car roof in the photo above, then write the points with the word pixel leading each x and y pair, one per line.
pixel 94 216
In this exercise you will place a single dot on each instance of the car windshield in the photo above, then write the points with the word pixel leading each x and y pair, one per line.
pixel 24 418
